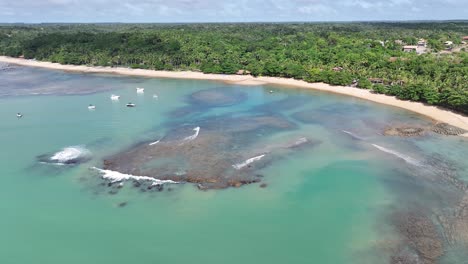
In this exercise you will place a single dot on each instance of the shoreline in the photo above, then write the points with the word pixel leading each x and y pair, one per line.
pixel 432 112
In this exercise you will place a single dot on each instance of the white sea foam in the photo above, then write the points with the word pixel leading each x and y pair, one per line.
pixel 353 135
pixel 115 176
pixel 399 155
pixel 153 143
pixel 70 154
pixel 194 136
pixel 247 162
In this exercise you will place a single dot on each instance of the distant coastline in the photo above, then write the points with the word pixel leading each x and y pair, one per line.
pixel 432 112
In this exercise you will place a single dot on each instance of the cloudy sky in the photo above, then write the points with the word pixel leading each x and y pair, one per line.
pixel 228 10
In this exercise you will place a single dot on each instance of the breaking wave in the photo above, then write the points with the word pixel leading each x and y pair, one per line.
pixel 247 162
pixel 352 135
pixel 68 155
pixel 154 143
pixel 399 155
pixel 194 136
pixel 115 176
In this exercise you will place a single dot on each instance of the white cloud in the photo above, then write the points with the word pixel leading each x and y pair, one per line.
pixel 318 9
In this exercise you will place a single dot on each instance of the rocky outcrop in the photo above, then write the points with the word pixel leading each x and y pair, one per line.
pixel 446 129
pixel 405 131
pixel 415 131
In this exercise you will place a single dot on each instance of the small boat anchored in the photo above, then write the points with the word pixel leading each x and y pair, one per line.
pixel 155 96
pixel 140 90
pixel 91 107
pixel 130 105
pixel 115 97
pixel 19 115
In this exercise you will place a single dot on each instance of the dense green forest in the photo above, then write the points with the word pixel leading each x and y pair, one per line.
pixel 369 55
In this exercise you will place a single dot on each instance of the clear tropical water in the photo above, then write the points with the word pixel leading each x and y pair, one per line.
pixel 333 202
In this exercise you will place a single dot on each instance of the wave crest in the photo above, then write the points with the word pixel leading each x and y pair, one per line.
pixel 115 176
pixel 399 155
pixel 247 162
pixel 194 136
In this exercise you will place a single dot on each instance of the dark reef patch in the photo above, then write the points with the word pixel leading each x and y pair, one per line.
pixel 217 97
pixel 314 116
pixel 202 100
pixel 286 104
pixel 247 123
pixel 343 108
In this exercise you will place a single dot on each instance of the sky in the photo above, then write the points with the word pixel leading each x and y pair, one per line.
pixel 165 11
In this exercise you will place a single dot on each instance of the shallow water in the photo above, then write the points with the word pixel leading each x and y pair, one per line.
pixel 338 200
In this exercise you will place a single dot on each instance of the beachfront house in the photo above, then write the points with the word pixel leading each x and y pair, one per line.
pixel 242 72
pixel 465 38
pixel 376 80
pixel 422 43
pixel 398 82
pixel 413 48
pixel 410 48
pixel 448 45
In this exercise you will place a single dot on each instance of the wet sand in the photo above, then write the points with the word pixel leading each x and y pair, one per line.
pixel 432 112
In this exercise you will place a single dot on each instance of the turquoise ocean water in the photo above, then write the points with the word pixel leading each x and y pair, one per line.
pixel 333 202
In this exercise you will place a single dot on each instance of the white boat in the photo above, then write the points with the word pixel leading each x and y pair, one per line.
pixel 115 97
pixel 19 115
pixel 130 105
pixel 155 96
pixel 140 90
pixel 91 107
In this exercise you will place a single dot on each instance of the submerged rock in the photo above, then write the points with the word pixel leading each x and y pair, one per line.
pixel 421 235
pixel 113 192
pixel 405 256
pixel 455 222
pixel 6 66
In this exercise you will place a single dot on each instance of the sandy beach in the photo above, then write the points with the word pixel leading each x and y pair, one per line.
pixel 432 112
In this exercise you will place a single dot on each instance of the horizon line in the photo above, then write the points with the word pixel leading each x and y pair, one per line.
pixel 252 22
